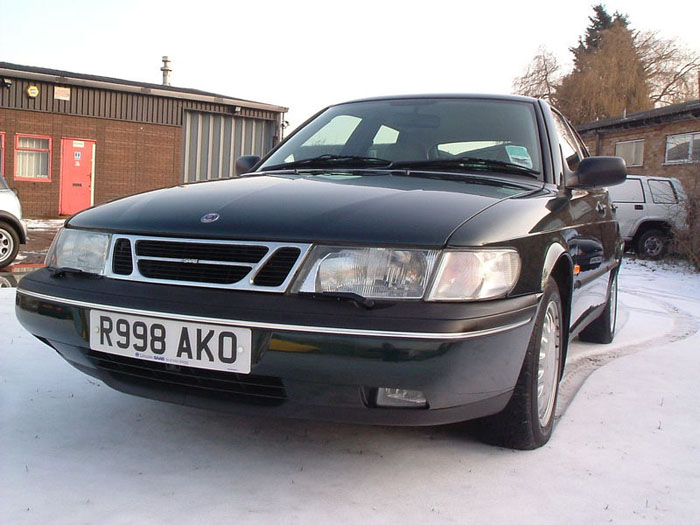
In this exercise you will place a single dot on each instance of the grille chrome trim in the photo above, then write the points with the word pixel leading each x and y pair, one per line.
pixel 247 283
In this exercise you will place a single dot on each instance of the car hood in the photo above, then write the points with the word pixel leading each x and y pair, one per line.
pixel 379 208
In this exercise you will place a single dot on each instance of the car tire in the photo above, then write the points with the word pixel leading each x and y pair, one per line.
pixel 527 420
pixel 602 330
pixel 9 244
pixel 652 244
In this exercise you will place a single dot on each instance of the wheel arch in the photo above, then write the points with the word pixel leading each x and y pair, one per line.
pixel 559 266
pixel 655 224
pixel 12 221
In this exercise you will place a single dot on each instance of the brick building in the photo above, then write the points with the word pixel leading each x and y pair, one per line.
pixel 662 142
pixel 69 140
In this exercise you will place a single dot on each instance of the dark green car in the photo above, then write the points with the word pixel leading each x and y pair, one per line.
pixel 409 260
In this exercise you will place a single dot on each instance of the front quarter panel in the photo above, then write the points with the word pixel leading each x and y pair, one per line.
pixel 549 225
pixel 531 224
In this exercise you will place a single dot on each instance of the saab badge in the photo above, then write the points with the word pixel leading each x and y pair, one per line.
pixel 210 217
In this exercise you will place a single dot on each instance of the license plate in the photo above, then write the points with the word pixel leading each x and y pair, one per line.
pixel 198 345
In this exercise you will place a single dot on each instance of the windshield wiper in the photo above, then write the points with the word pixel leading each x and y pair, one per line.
pixel 355 298
pixel 330 160
pixel 469 162
pixel 64 270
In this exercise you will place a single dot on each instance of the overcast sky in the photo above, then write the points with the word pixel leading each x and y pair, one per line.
pixel 307 54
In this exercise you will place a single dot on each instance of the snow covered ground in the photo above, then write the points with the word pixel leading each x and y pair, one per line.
pixel 625 449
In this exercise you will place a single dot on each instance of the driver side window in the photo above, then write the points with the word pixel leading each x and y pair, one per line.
pixel 570 150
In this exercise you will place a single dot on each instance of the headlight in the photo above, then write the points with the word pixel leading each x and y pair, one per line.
pixel 376 273
pixel 388 273
pixel 475 275
pixel 79 250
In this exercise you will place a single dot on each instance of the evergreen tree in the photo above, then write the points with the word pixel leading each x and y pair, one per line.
pixel 600 21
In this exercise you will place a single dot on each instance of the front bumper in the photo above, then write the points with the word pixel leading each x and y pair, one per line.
pixel 311 358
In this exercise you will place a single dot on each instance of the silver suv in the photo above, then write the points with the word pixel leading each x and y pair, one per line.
pixel 648 210
pixel 12 230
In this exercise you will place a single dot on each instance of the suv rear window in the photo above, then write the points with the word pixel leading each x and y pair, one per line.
pixel 629 191
pixel 662 192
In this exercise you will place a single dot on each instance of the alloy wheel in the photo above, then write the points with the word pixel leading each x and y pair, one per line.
pixel 548 364
pixel 6 245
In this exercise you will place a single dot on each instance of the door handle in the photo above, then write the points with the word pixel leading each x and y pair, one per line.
pixel 638 207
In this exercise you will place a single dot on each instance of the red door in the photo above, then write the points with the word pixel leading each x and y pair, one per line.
pixel 77 175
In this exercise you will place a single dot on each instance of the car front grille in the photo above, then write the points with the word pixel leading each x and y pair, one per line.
pixel 255 266
pixel 227 386
pixel 122 263
pixel 196 273
pixel 201 250
pixel 277 268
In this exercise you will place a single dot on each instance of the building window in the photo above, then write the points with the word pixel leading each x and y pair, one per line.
pixel 632 151
pixel 33 158
pixel 683 148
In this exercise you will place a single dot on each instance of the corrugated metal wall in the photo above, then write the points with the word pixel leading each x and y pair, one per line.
pixel 212 143
pixel 113 104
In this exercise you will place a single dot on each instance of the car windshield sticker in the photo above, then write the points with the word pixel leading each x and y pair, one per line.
pixel 519 155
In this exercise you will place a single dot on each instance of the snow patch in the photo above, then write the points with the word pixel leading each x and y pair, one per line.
pixel 625 450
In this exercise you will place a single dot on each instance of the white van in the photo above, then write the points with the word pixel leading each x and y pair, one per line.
pixel 648 210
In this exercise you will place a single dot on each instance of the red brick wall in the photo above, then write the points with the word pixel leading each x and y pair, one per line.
pixel 129 157
pixel 654 149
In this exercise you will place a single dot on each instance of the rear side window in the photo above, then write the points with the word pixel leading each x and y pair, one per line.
pixel 629 191
pixel 662 192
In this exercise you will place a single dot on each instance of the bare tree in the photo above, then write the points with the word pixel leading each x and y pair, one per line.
pixel 670 69
pixel 541 78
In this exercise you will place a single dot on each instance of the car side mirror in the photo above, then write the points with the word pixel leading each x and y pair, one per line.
pixel 245 164
pixel 598 172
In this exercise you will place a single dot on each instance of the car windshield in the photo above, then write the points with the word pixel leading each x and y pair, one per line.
pixel 421 133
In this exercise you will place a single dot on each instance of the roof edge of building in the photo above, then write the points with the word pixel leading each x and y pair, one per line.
pixel 76 79
pixel 671 113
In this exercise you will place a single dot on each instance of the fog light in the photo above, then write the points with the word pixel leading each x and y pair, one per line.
pixel 399 397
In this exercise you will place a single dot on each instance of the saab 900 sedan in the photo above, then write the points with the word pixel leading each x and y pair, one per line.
pixel 409 260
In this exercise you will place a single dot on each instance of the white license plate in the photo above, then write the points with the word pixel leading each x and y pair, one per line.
pixel 198 345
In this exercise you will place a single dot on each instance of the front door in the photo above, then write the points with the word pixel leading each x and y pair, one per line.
pixel 77 175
